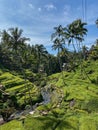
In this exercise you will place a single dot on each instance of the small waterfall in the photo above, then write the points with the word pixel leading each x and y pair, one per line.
pixel 46 94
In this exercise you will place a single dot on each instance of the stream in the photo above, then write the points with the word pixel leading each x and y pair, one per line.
pixel 46 94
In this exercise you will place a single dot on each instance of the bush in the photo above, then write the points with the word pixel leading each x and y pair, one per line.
pixel 95 80
pixel 6 112
pixel 89 106
pixel 43 83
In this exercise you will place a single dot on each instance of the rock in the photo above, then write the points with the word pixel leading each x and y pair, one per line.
pixel 1 120
pixel 1 86
pixel 72 103
pixel 31 112
pixel 58 105
pixel 43 113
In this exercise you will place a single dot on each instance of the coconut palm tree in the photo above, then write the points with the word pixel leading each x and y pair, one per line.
pixel 59 44
pixel 17 44
pixel 40 53
pixel 5 38
pixel 5 52
pixel 59 41
pixel 16 39
pixel 75 32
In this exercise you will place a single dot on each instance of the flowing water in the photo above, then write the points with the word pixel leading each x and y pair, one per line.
pixel 46 94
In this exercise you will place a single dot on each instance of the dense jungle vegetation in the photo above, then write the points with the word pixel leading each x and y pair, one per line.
pixel 61 90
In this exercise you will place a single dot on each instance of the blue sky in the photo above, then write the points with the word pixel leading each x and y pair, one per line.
pixel 38 17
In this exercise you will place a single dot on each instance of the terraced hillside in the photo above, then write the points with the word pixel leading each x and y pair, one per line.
pixel 73 104
pixel 22 88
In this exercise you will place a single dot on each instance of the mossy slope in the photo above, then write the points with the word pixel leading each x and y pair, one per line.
pixel 14 84
pixel 82 115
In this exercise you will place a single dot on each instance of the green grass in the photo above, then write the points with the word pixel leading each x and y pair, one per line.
pixel 74 120
pixel 13 125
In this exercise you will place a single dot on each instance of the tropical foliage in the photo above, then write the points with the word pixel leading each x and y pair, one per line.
pixel 69 79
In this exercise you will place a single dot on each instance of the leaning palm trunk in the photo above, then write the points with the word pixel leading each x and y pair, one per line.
pixel 73 45
pixel 74 55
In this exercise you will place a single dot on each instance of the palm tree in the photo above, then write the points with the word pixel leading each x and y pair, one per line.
pixel 5 38
pixel 59 44
pixel 40 53
pixel 75 32
pixel 59 41
pixel 16 39
pixel 17 43
pixel 78 31
pixel 59 31
pixel 5 52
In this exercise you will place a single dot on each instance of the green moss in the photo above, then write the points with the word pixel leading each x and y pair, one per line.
pixel 88 123
pixel 13 125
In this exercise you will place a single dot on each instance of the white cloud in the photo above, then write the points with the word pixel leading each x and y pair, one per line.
pixel 31 6
pixel 40 40
pixel 39 9
pixel 50 7
pixel 39 26
pixel 67 9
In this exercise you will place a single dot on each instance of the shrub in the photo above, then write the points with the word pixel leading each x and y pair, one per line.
pixel 95 80
pixel 6 112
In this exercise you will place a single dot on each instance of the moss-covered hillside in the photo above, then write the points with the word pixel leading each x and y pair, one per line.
pixel 73 105
pixel 22 89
